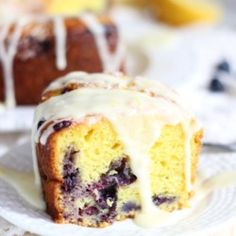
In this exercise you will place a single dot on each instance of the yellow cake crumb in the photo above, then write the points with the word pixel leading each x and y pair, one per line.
pixel 99 146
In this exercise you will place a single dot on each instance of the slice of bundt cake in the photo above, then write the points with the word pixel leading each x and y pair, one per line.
pixel 108 147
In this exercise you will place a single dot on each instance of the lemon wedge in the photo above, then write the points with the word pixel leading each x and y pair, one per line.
pixel 180 12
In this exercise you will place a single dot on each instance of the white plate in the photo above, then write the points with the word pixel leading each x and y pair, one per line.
pixel 217 209
pixel 16 119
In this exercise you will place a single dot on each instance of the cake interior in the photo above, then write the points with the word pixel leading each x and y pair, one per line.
pixel 94 176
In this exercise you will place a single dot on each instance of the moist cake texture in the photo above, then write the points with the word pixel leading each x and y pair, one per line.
pixel 107 148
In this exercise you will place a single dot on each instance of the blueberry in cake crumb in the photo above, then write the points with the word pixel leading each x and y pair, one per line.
pixel 102 195
pixel 163 199
pixel 91 210
pixel 70 182
pixel 216 85
pixel 121 172
pixel 62 124
pixel 130 206
pixel 70 173
pixel 108 217
pixel 224 66
pixel 108 196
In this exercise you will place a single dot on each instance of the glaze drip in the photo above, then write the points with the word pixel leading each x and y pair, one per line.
pixel 110 61
pixel 7 54
pixel 60 37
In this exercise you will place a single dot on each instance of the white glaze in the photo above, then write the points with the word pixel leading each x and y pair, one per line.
pixel 23 182
pixel 118 80
pixel 60 41
pixel 7 55
pixel 138 118
pixel 111 61
pixel 96 79
pixel 188 156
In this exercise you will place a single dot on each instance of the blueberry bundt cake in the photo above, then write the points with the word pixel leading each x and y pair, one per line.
pixel 35 50
pixel 107 147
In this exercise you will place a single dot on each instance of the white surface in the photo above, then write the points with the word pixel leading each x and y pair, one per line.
pixel 17 119
pixel 7 229
pixel 218 209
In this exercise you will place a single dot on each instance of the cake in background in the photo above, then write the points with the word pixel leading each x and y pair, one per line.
pixel 34 50
pixel 179 12
pixel 120 148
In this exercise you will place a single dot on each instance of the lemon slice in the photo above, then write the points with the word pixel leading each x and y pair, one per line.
pixel 73 6
pixel 180 12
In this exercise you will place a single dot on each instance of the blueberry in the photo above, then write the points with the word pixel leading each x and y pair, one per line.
pixel 130 206
pixel 92 210
pixel 70 182
pixel 108 217
pixel 224 66
pixel 108 196
pixel 40 123
pixel 216 85
pixel 70 173
pixel 161 199
pixel 62 124
pixel 123 174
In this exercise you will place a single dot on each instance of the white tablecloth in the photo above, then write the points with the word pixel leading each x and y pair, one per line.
pixel 6 142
